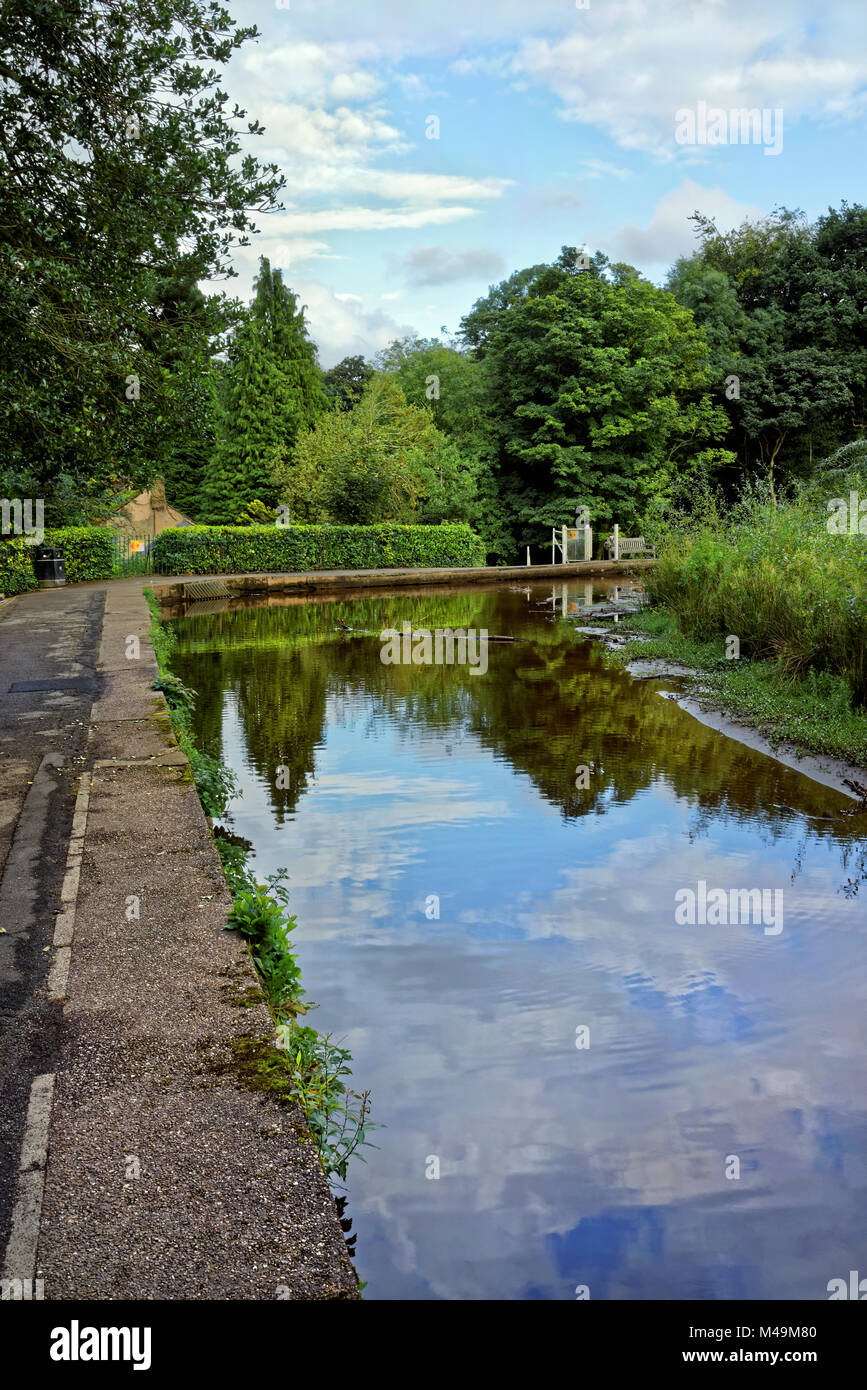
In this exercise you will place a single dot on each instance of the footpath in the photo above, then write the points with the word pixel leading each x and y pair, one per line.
pixel 134 1161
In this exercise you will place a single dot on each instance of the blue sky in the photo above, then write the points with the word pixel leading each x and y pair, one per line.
pixel 556 126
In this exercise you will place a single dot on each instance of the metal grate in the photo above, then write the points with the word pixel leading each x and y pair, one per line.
pixel 201 589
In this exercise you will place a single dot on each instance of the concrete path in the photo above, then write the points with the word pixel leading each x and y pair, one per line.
pixel 137 1163
pixel 49 638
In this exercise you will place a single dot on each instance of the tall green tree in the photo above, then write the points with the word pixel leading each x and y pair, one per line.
pixel 481 323
pixel 452 385
pixel 598 395
pixel 183 453
pixel 271 393
pixel 121 170
pixel 384 460
pixel 344 384
pixel 783 304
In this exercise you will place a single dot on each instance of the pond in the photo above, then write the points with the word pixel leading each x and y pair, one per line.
pixel 598 1074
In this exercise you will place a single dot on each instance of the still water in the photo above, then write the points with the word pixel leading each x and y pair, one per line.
pixel 496 943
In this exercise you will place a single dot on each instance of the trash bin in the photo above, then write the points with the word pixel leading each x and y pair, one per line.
pixel 49 567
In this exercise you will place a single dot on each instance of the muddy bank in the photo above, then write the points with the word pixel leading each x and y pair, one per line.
pixel 823 768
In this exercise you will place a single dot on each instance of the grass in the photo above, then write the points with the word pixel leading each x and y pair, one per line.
pixel 785 576
pixel 777 575
pixel 216 784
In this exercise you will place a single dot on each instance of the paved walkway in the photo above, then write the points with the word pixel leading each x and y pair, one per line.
pixel 135 1162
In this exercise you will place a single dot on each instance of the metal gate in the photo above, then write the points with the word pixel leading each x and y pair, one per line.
pixel 132 554
pixel 573 542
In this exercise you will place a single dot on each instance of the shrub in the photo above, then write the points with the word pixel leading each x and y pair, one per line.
pixel 16 565
pixel 276 549
pixel 216 783
pixel 337 1116
pixel 88 551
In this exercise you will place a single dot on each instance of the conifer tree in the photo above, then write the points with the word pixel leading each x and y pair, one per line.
pixel 272 391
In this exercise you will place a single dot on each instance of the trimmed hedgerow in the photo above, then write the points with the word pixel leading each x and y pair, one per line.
pixel 16 565
pixel 273 549
pixel 87 551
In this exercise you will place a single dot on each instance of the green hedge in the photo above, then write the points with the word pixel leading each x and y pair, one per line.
pixel 87 551
pixel 16 565
pixel 281 549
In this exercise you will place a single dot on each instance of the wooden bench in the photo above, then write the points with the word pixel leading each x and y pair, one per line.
pixel 630 545
pixel 636 545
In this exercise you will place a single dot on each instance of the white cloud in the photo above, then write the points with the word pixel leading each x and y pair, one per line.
pixel 315 145
pixel 413 87
pixel 363 219
pixel 338 322
pixel 629 66
pixel 400 29
pixel 288 253
pixel 340 325
pixel 311 73
pixel 327 130
pixel 426 188
pixel 439 265
pixel 669 233
pixel 599 168
pixel 496 65
pixel 321 77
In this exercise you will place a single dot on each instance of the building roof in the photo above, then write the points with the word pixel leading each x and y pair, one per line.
pixel 149 513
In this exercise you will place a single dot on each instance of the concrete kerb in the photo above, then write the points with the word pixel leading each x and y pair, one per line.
pixel 19 1263
pixel 21 1252
pixel 129 617
pixel 64 923
pixel 172 588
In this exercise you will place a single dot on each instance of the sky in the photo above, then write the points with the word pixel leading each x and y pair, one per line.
pixel 430 149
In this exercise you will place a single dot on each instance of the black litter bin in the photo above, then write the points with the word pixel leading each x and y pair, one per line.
pixel 49 567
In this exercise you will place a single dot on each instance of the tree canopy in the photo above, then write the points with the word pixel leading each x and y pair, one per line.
pixel 344 383
pixel 121 175
pixel 597 393
pixel 383 460
pixel 783 304
pixel 126 185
